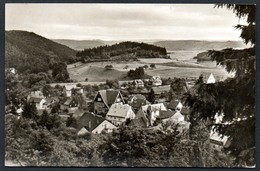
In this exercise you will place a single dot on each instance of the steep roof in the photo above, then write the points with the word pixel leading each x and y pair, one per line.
pixel 177 115
pixel 166 114
pixel 185 110
pixel 89 120
pixel 119 110
pixel 173 104
pixel 138 122
pixel 109 96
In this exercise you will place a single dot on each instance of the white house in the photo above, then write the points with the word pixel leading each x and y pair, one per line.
pixel 39 102
pixel 156 81
pixel 104 126
pixel 177 117
pixel 151 112
pixel 68 89
pixel 119 112
pixel 209 78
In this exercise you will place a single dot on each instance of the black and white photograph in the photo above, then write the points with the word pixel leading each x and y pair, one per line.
pixel 130 85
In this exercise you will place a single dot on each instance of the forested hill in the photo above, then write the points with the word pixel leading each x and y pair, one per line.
pixel 32 53
pixel 191 45
pixel 123 51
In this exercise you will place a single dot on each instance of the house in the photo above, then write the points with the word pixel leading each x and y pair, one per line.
pixel 39 102
pixel 150 112
pixel 136 101
pixel 104 126
pixel 35 94
pixel 105 98
pixel 218 141
pixel 175 105
pixel 119 113
pixel 88 122
pixel 177 117
pixel 139 83
pixel 156 81
pixel 68 88
pixel 11 70
pixel 50 102
pixel 208 78
pixel 70 103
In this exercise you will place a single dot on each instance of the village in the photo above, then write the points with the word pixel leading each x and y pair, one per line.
pixel 148 104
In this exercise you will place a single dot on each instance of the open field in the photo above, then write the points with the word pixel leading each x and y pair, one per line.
pixel 96 72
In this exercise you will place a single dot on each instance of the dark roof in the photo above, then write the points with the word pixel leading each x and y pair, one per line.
pixel 89 120
pixel 78 113
pixel 109 96
pixel 185 110
pixel 173 104
pixel 35 99
pixel 139 122
pixel 68 101
pixel 166 114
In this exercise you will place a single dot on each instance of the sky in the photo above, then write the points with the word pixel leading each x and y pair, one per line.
pixel 124 21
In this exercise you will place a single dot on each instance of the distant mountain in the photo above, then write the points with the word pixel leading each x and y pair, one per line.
pixel 81 44
pixel 196 45
pixel 29 52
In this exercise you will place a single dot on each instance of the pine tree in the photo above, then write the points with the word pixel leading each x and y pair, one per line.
pixel 234 98
pixel 151 96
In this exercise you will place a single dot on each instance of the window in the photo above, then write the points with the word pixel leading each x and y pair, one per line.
pixel 99 99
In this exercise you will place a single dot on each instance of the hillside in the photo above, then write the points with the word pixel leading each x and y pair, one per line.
pixel 80 44
pixel 203 56
pixel 123 51
pixel 32 53
pixel 196 45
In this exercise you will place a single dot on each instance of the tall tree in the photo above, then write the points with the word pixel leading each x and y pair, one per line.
pixel 233 98
pixel 151 96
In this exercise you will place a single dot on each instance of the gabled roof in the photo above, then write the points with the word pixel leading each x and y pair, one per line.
pixel 173 104
pixel 185 110
pixel 177 115
pixel 166 114
pixel 119 110
pixel 138 122
pixel 89 120
pixel 107 123
pixel 109 96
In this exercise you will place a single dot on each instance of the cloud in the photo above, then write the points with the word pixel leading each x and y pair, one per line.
pixel 123 21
